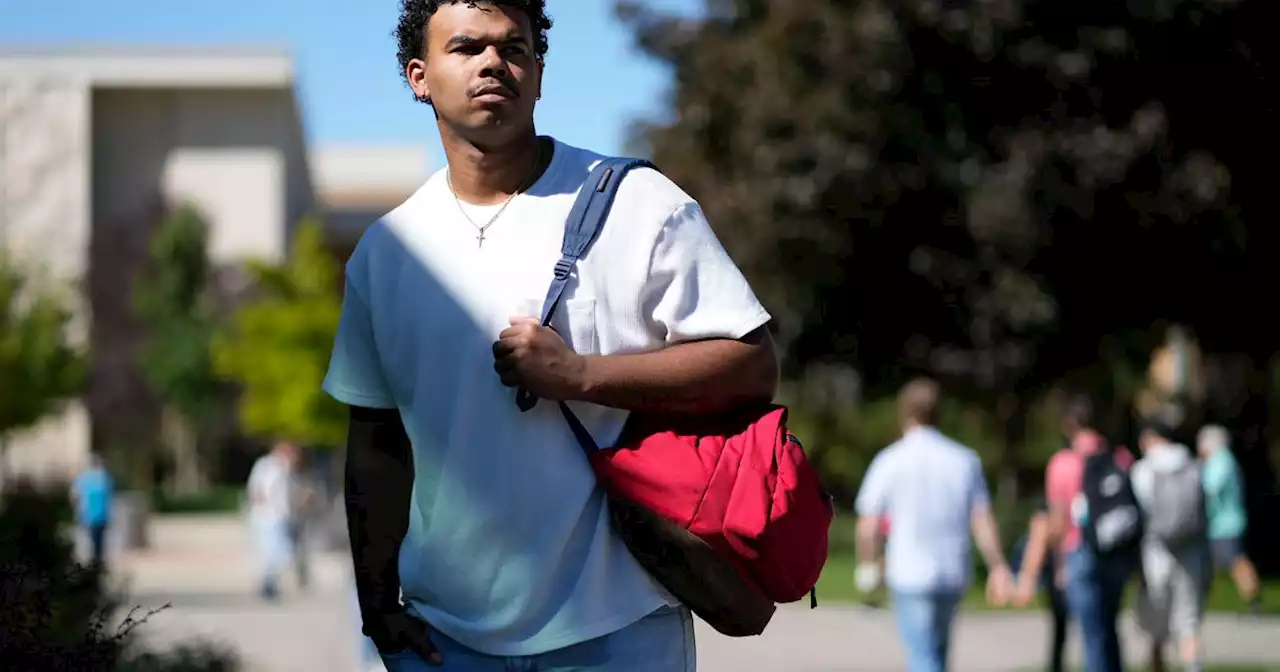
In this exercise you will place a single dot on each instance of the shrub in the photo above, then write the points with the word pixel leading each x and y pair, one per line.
pixel 55 612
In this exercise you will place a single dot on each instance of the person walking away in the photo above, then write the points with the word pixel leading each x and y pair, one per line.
pixel 271 512
pixel 304 491
pixel 934 491
pixel 488 520
pixel 92 491
pixel 1227 517
pixel 1086 483
pixel 1040 567
pixel 1175 572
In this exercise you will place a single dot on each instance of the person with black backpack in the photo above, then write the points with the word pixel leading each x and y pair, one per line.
pixel 1175 569
pixel 1096 526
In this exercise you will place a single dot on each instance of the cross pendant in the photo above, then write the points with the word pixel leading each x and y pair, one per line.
pixel 480 240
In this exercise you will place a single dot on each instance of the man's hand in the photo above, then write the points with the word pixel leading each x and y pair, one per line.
pixel 534 357
pixel 999 586
pixel 398 631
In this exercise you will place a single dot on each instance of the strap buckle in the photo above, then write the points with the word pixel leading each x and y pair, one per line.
pixel 563 268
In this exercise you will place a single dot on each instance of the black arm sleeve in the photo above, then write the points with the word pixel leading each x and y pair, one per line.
pixel 379 482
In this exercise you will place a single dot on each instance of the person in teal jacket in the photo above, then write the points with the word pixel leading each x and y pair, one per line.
pixel 1224 504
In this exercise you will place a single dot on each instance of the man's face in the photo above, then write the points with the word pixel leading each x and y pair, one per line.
pixel 479 71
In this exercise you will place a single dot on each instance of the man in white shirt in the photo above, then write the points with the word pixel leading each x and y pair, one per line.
pixel 271 511
pixel 933 490
pixel 489 519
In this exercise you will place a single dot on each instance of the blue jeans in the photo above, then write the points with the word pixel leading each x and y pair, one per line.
pixel 274 546
pixel 97 543
pixel 662 641
pixel 1095 592
pixel 924 622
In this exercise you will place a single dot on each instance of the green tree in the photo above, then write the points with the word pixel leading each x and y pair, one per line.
pixel 277 347
pixel 981 191
pixel 175 304
pixel 40 367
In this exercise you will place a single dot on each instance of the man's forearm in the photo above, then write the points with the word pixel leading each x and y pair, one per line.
pixel 379 484
pixel 701 377
pixel 986 536
pixel 868 538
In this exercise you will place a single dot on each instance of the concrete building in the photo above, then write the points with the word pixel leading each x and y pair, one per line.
pixel 96 144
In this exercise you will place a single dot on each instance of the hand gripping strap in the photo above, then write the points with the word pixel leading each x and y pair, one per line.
pixel 587 217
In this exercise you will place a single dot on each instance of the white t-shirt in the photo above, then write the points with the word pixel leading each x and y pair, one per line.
pixel 928 486
pixel 509 549
pixel 270 479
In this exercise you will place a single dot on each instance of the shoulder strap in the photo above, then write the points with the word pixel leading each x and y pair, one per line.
pixel 585 221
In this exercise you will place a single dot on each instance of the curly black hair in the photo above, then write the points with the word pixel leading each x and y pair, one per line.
pixel 411 29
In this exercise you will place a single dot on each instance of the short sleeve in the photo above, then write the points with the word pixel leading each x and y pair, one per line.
pixel 978 493
pixel 1062 477
pixel 694 290
pixel 355 375
pixel 873 493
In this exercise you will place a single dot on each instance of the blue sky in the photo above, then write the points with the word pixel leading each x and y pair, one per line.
pixel 348 79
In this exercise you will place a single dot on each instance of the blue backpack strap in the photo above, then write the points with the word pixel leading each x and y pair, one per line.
pixel 587 217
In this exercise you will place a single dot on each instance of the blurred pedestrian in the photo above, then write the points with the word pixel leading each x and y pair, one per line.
pixel 934 491
pixel 1041 568
pixel 1093 579
pixel 92 491
pixel 1228 519
pixel 306 503
pixel 1175 571
pixel 271 513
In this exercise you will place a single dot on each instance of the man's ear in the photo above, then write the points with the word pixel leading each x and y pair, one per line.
pixel 416 73
pixel 542 69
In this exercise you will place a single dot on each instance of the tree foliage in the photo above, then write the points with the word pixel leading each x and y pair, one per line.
pixel 176 307
pixel 39 365
pixel 984 190
pixel 1009 195
pixel 277 348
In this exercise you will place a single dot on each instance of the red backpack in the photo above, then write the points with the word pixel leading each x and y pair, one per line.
pixel 737 483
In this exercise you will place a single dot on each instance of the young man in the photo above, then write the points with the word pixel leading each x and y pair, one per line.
pixel 272 510
pixel 1175 573
pixel 92 492
pixel 1224 490
pixel 489 520
pixel 934 491
pixel 1094 588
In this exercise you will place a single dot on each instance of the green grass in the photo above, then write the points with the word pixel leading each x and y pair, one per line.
pixel 836 585
pixel 220 499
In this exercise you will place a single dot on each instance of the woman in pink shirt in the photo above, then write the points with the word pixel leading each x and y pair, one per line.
pixel 1093 587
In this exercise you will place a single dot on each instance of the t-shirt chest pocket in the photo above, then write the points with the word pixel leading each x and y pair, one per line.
pixel 575 321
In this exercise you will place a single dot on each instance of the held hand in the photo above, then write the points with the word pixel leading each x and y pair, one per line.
pixel 999 586
pixel 396 632
pixel 1025 593
pixel 534 357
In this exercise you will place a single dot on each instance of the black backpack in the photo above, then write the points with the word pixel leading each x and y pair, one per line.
pixel 1113 524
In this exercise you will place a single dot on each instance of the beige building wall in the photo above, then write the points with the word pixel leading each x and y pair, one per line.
pixel 44 225
pixel 237 155
pixel 96 143
pixel 92 148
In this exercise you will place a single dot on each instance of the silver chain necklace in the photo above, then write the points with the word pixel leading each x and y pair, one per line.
pixel 448 176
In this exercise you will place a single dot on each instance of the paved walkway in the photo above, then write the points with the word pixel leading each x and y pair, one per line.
pixel 202 568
